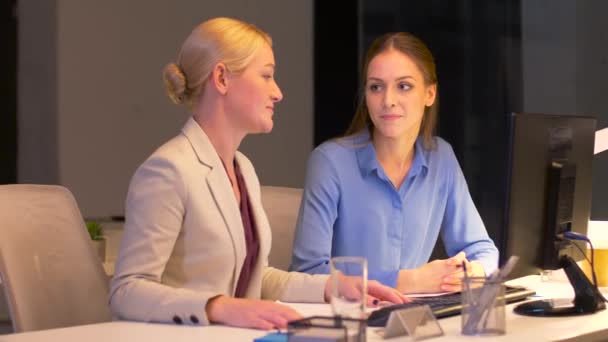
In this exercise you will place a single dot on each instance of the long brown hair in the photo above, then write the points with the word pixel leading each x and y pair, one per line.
pixel 414 48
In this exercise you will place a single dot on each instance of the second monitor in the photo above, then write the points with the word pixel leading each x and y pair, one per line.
pixel 549 188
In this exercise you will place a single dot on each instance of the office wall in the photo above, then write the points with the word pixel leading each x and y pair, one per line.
pixel 37 153
pixel 565 67
pixel 92 103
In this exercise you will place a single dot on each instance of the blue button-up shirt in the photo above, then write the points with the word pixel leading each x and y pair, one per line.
pixel 351 208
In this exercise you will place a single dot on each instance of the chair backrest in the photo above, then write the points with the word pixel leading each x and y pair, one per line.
pixel 281 205
pixel 51 275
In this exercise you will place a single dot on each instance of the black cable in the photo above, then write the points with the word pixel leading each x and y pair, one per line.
pixel 575 236
pixel 591 262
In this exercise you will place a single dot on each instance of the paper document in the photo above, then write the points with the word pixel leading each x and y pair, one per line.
pixel 310 309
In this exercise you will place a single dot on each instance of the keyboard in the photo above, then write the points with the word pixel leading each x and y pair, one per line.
pixel 442 306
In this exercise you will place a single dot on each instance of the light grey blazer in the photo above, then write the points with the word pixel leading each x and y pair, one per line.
pixel 184 240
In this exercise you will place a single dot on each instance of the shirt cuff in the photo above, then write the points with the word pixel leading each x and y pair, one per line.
pixel 489 264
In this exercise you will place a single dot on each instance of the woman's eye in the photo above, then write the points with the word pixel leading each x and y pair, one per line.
pixel 375 87
pixel 404 86
pixel 268 77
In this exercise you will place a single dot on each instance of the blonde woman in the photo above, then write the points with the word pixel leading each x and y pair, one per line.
pixel 196 242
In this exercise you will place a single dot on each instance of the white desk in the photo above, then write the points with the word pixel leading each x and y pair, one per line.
pixel 519 328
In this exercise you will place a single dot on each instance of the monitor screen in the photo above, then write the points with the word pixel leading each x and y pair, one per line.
pixel 548 188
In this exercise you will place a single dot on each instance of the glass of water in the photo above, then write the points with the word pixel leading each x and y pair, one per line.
pixel 348 286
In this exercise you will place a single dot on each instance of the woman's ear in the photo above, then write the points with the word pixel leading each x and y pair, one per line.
pixel 431 92
pixel 219 78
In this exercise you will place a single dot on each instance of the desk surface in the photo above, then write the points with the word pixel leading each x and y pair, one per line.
pixel 519 328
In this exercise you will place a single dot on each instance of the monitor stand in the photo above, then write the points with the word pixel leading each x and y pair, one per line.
pixel 587 299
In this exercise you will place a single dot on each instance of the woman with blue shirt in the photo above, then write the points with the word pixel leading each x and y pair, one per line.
pixel 388 188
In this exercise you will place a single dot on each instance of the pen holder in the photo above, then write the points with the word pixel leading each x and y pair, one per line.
pixel 483 307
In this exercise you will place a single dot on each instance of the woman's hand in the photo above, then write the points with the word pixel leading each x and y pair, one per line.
pixel 376 293
pixel 438 275
pixel 453 282
pixel 249 313
pixel 351 287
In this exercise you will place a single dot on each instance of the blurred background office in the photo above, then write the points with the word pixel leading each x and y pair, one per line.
pixel 83 102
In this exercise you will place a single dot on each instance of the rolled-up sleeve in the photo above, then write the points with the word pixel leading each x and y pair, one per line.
pixel 462 226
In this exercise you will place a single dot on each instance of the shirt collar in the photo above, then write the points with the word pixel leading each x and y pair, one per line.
pixel 368 162
pixel 366 154
pixel 420 161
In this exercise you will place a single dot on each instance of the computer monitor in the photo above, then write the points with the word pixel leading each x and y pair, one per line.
pixel 548 189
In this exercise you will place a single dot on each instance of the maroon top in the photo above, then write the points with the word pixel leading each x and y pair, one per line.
pixel 251 237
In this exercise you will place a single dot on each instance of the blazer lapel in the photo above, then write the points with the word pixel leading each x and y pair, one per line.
pixel 221 190
pixel 224 199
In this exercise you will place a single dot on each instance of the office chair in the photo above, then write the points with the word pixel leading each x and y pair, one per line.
pixel 281 205
pixel 51 275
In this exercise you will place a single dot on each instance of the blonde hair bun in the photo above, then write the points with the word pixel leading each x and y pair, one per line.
pixel 218 40
pixel 175 83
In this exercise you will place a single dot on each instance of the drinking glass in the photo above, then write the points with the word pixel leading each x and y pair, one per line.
pixel 348 286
